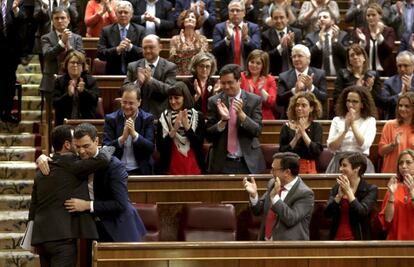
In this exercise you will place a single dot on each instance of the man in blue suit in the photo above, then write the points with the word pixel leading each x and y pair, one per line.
pixel 398 84
pixel 116 219
pixel 131 131
pixel 228 34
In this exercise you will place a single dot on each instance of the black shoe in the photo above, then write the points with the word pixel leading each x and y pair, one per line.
pixel 9 118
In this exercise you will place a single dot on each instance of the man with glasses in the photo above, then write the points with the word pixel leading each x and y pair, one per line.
pixel 398 84
pixel 286 208
pixel 131 131
pixel 234 38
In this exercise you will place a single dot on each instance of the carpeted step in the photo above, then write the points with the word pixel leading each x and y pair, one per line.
pixel 23 139
pixel 21 127
pixel 18 153
pixel 31 115
pixel 17 170
pixel 14 202
pixel 13 221
pixel 31 102
pixel 29 78
pixel 16 187
pixel 10 241
pixel 29 68
pixel 30 90
pixel 18 259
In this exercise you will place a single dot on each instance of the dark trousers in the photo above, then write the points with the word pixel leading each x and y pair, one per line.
pixel 61 253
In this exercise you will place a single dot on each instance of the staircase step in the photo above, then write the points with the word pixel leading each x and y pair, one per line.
pixel 16 187
pixel 17 170
pixel 13 221
pixel 10 240
pixel 29 78
pixel 30 90
pixel 21 127
pixel 23 139
pixel 14 202
pixel 30 68
pixel 17 153
pixel 31 102
pixel 18 259
pixel 31 115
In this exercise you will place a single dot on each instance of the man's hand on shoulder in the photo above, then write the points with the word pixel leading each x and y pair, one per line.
pixel 43 165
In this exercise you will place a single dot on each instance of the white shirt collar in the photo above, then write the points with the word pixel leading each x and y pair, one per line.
pixel 304 72
pixel 155 63
pixel 289 185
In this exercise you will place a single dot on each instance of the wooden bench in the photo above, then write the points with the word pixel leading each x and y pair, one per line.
pixel 255 253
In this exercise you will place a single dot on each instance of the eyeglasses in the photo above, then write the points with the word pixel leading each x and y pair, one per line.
pixel 235 10
pixel 75 63
pixel 202 66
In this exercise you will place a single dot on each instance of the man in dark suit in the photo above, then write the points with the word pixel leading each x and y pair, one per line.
pixel 407 43
pixel 299 79
pixel 118 44
pixel 286 208
pixel 117 220
pixel 131 131
pixel 206 9
pixel 398 84
pixel 328 45
pixel 234 124
pixel 55 230
pixel 11 22
pixel 154 75
pixel 234 39
pixel 278 41
pixel 156 16
pixel 252 8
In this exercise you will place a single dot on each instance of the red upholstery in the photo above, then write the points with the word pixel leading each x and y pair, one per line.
pixel 149 215
pixel 98 67
pixel 323 160
pixel 208 222
pixel 99 113
pixel 268 151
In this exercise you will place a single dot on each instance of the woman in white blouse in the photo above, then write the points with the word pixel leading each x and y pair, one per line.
pixel 354 127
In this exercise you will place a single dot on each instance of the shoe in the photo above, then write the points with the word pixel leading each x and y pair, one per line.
pixel 9 118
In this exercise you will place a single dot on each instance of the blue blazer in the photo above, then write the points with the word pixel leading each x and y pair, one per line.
pixel 112 206
pixel 388 96
pixel 225 52
pixel 143 147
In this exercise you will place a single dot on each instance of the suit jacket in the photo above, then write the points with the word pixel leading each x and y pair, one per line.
pixel 405 43
pixel 397 21
pixel 163 11
pixel 43 19
pixel 110 39
pixel 359 210
pixel 202 102
pixel 54 54
pixel 154 92
pixel 63 103
pixel 112 206
pixel 225 52
pixel 67 178
pixel 252 15
pixel 293 213
pixel 210 7
pixel 143 147
pixel 270 42
pixel 338 50
pixel 248 133
pixel 388 97
pixel 287 81
pixel 384 49
pixel 356 16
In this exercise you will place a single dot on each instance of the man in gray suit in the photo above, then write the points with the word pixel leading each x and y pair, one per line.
pixel 153 74
pixel 234 124
pixel 286 208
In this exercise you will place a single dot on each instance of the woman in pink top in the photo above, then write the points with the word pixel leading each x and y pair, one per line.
pixel 256 79
pixel 397 134
pixel 98 14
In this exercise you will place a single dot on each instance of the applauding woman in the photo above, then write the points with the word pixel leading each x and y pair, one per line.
pixel 397 213
pixel 180 134
pixel 354 127
pixel 351 200
pixel 98 14
pixel 256 79
pixel 301 134
pixel 76 94
pixel 397 134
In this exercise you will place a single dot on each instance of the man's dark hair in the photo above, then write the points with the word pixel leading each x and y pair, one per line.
pixel 288 160
pixel 59 9
pixel 356 160
pixel 60 135
pixel 131 87
pixel 231 69
pixel 85 129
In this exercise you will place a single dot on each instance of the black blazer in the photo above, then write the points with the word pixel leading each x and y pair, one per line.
pixel 67 178
pixel 359 210
pixel 62 102
pixel 199 103
pixel 110 39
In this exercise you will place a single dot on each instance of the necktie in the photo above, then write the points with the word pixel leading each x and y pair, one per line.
pixel 152 68
pixel 281 34
pixel 374 54
pixel 271 218
pixel 237 51
pixel 285 54
pixel 123 34
pixel 3 15
pixel 326 53
pixel 232 130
